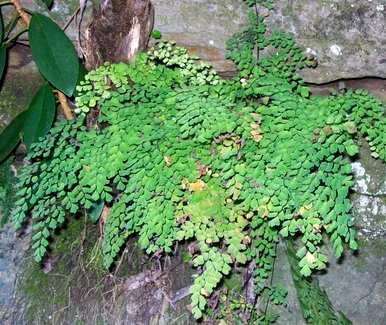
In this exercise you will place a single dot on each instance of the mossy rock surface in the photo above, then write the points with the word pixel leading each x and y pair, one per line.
pixel 19 85
pixel 72 287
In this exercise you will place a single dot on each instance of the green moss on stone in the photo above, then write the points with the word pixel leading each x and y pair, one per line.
pixel 7 191
pixel 16 93
pixel 49 294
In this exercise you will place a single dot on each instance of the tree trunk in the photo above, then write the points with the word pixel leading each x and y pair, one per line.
pixel 119 30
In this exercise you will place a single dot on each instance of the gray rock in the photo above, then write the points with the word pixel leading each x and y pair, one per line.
pixel 201 26
pixel 12 253
pixel 20 83
pixel 357 284
pixel 290 312
pixel 347 37
pixel 369 198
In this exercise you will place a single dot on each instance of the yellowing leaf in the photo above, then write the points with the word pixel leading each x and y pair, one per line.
pixel 247 240
pixel 205 292
pixel 266 100
pixel 305 208
pixel 311 259
pixel 197 186
pixel 265 212
pixel 316 228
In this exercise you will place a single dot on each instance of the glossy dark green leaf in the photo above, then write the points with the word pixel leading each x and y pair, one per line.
pixel 95 211
pixel 11 136
pixel 3 59
pixel 1 27
pixel 39 116
pixel 54 53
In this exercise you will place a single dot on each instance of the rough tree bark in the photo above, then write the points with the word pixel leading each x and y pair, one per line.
pixel 119 30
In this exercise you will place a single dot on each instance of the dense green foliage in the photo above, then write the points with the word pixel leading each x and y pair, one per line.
pixel 181 155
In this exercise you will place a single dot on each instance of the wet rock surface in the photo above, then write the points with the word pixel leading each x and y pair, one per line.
pixel 369 197
pixel 290 312
pixel 355 284
pixel 202 26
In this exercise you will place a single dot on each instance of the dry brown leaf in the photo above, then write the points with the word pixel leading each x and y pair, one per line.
pixel 256 117
pixel 184 184
pixel 316 228
pixel 256 135
pixel 247 240
pixel 255 126
pixel 311 259
pixel 266 212
pixel 168 160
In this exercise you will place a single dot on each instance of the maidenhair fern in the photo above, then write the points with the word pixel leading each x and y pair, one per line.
pixel 181 155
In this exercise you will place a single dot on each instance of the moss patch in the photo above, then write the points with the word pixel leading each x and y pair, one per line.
pixel 51 296
pixel 19 85
pixel 77 289
pixel 7 191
